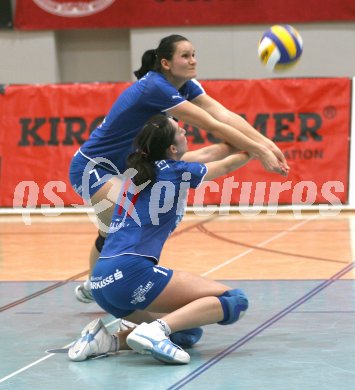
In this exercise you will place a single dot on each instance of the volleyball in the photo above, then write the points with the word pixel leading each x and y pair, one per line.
pixel 280 47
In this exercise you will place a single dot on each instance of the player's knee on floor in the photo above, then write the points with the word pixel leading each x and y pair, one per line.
pixel 234 304
pixel 99 243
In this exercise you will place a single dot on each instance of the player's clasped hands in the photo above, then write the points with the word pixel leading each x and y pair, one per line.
pixel 274 161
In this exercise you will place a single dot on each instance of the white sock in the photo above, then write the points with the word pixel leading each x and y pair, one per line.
pixel 163 326
pixel 115 344
pixel 87 284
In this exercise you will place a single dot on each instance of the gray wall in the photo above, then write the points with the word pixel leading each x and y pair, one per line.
pixel 230 52
pixel 226 52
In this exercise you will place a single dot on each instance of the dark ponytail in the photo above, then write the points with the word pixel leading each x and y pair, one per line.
pixel 151 145
pixel 151 59
pixel 148 63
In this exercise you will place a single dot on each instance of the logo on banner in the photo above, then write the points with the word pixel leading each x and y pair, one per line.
pixel 74 8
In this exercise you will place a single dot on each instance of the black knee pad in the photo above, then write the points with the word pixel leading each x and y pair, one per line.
pixel 99 243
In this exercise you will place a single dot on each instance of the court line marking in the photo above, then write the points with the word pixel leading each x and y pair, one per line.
pixel 221 355
pixel 275 237
pixel 204 274
pixel 204 230
pixel 40 360
pixel 77 276
pixel 43 291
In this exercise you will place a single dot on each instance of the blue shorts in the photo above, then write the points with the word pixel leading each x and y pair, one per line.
pixel 126 283
pixel 86 176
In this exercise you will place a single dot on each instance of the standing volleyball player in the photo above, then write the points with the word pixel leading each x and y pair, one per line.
pixel 165 85
pixel 127 280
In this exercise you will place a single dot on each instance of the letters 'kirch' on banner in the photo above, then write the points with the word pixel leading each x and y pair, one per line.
pixel 64 14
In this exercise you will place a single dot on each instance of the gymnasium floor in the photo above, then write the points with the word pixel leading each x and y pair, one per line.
pixel 299 332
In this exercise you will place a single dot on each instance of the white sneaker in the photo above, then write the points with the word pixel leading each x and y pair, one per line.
pixel 149 338
pixel 121 326
pixel 83 292
pixel 124 324
pixel 95 341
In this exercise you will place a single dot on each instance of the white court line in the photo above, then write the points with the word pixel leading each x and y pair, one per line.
pixel 40 360
pixel 276 236
pixel 258 246
pixel 26 368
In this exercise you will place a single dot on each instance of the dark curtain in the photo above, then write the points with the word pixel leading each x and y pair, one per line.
pixel 5 14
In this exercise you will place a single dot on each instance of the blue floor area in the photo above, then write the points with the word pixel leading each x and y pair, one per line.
pixel 296 335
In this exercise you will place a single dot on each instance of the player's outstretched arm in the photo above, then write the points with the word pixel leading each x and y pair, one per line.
pixel 227 165
pixel 196 116
pixel 209 153
pixel 222 114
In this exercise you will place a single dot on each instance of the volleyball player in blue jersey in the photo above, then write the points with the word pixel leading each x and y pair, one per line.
pixel 127 280
pixel 165 84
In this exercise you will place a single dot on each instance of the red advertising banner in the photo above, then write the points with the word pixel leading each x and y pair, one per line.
pixel 41 128
pixel 309 119
pixel 66 14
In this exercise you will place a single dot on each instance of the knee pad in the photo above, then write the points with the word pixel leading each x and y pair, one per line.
pixel 234 304
pixel 186 338
pixel 99 243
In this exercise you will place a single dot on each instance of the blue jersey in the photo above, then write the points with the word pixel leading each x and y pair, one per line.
pixel 150 95
pixel 143 220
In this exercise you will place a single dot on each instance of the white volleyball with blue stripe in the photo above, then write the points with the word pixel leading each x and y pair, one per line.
pixel 280 47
